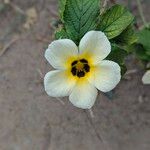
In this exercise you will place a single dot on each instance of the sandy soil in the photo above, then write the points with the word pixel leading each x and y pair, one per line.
pixel 30 120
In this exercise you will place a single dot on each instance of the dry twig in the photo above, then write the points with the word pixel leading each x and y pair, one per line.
pixel 6 47
pixel 104 6
pixel 100 138
pixel 60 100
pixel 42 39
pixel 14 6
pixel 91 113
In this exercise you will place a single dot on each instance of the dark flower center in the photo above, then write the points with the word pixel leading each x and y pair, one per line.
pixel 80 67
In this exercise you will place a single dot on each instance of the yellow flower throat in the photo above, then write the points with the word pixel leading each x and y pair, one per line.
pixel 80 67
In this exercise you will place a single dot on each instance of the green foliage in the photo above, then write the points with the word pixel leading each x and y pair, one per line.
pixel 123 69
pixel 62 4
pixel 127 37
pixel 61 34
pixel 118 55
pixel 144 38
pixel 142 49
pixel 141 52
pixel 80 16
pixel 115 20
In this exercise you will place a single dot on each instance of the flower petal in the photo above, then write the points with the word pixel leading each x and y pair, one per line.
pixel 83 95
pixel 58 83
pixel 59 51
pixel 146 78
pixel 106 75
pixel 95 44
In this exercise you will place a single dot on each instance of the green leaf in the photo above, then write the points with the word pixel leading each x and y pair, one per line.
pixel 144 38
pixel 62 4
pixel 80 16
pixel 118 55
pixel 123 69
pixel 61 34
pixel 127 37
pixel 141 52
pixel 115 20
pixel 142 48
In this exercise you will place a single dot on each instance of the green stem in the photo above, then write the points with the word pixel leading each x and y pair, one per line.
pixel 141 12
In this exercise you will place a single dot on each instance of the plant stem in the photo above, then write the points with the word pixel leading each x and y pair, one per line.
pixel 104 6
pixel 141 12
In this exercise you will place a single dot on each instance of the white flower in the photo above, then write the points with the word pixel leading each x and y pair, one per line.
pixel 81 71
pixel 146 78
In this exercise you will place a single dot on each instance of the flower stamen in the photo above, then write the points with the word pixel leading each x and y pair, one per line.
pixel 80 68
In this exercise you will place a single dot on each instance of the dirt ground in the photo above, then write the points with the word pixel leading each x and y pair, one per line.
pixel 30 120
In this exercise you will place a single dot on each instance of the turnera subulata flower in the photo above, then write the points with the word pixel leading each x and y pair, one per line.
pixel 80 71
